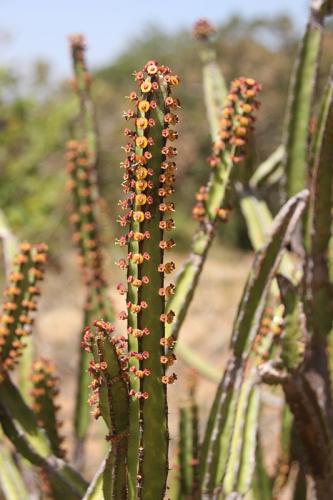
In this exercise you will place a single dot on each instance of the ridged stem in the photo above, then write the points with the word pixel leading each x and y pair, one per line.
pixel 109 391
pixel 82 86
pixel 87 239
pixel 221 420
pixel 189 450
pixel 215 89
pixel 20 426
pixel 299 106
pixel 85 220
pixel 20 304
pixel 148 183
pixel 45 389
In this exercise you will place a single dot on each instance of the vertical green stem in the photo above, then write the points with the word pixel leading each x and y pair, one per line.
pixel 148 183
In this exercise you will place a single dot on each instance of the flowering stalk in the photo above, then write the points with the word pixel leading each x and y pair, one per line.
pixel 45 389
pixel 82 167
pixel 86 237
pixel 82 86
pixel 215 89
pixel 18 309
pixel 228 151
pixel 148 183
pixel 109 392
pixel 84 220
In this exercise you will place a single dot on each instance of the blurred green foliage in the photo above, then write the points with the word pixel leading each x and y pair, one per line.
pixel 36 122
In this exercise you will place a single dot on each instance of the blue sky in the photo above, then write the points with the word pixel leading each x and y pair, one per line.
pixel 39 28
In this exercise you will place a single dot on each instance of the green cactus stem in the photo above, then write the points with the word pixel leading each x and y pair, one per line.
pixel 269 171
pixel 320 300
pixel 84 219
pixel 148 183
pixel 266 263
pixel 247 322
pixel 285 459
pixel 319 289
pixel 228 151
pixel 215 96
pixel 311 425
pixel 18 309
pixel 82 86
pixel 109 392
pixel 12 485
pixel 95 489
pixel 300 101
pixel 189 450
pixel 295 331
pixel 235 464
pixel 87 239
pixel 83 184
pixel 261 484
pixel 20 426
pixel 45 389
pixel 215 89
pixel 241 462
pixel 257 216
pixel 259 223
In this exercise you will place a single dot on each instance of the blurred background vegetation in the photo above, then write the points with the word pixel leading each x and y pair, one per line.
pixel 36 118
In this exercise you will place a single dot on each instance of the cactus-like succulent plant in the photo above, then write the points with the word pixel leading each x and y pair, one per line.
pixel 149 176
pixel 109 392
pixel 282 333
pixel 82 157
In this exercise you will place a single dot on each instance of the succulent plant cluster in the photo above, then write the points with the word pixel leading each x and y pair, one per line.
pixel 281 338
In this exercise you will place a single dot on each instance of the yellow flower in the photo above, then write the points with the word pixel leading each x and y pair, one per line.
pixel 138 216
pixel 141 142
pixel 141 199
pixel 145 86
pixel 141 173
pixel 137 258
pixel 137 236
pixel 174 80
pixel 142 123
pixel 140 185
pixel 152 69
pixel 144 106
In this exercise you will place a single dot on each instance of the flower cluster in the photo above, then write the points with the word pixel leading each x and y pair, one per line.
pixel 78 46
pixel 148 182
pixel 45 389
pixel 237 120
pixel 20 305
pixel 235 125
pixel 103 332
pixel 203 29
